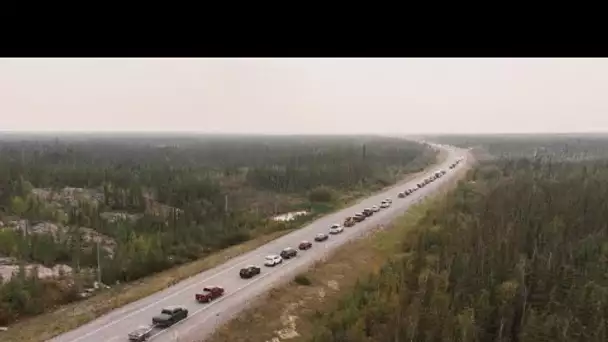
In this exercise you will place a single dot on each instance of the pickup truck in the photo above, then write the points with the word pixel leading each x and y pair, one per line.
pixel 209 293
pixel 169 316
pixel 288 253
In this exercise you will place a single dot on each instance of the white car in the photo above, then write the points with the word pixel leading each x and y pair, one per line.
pixel 388 200
pixel 385 204
pixel 376 208
pixel 273 260
pixel 336 229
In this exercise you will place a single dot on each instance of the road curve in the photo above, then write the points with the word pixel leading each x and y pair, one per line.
pixel 204 318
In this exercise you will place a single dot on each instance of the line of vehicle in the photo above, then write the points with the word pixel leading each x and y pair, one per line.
pixel 291 267
pixel 232 293
pixel 287 268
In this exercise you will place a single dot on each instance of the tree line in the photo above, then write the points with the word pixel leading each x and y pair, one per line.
pixel 574 147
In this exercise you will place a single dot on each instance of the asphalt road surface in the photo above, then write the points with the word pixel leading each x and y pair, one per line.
pixel 204 318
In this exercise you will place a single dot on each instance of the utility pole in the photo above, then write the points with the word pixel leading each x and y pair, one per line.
pixel 226 204
pixel 98 265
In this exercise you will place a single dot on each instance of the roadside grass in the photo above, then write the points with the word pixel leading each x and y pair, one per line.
pixel 67 317
pixel 288 312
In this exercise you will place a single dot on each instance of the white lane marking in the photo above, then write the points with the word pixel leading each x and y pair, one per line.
pixel 190 286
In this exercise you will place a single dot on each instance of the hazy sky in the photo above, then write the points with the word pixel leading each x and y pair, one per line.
pixel 305 95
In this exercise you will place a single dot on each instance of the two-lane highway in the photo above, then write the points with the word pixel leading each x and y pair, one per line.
pixel 204 318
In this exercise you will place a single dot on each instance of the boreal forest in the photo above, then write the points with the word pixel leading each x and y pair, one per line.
pixel 79 211
pixel 518 251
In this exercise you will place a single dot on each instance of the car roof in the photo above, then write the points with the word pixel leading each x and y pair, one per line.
pixel 173 307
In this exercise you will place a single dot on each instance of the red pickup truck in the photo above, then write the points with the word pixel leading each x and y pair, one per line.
pixel 209 293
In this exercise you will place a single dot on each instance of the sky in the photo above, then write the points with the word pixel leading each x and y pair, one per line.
pixel 310 96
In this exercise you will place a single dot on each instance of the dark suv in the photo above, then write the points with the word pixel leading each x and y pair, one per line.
pixel 304 245
pixel 249 271
pixel 321 237
pixel 288 253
